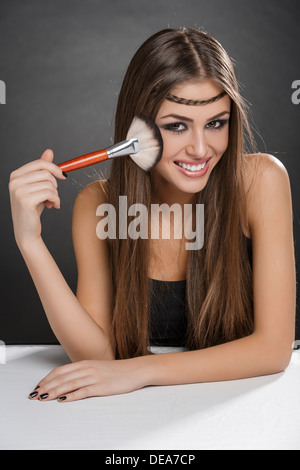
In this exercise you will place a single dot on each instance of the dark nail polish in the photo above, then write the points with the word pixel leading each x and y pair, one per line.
pixel 65 174
pixel 62 398
pixel 33 394
pixel 37 387
pixel 45 395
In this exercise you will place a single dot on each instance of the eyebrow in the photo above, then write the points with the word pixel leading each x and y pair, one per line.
pixel 184 118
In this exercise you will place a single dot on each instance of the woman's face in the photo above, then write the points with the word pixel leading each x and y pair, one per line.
pixel 194 137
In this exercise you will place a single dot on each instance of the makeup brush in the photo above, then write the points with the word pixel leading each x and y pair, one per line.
pixel 143 144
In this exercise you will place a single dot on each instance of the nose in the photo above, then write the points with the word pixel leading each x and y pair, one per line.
pixel 197 145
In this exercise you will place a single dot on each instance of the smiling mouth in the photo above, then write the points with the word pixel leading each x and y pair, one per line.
pixel 191 167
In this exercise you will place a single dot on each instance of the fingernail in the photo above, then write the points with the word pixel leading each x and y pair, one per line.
pixel 37 387
pixel 45 395
pixel 33 394
pixel 62 398
pixel 65 174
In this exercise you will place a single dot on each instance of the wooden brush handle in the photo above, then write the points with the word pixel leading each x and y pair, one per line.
pixel 84 160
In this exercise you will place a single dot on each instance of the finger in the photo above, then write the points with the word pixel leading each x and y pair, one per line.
pixel 55 391
pixel 97 388
pixel 40 186
pixel 33 199
pixel 26 182
pixel 84 392
pixel 42 163
pixel 33 194
pixel 48 155
pixel 65 376
pixel 44 186
pixel 35 166
pixel 61 371
pixel 66 380
pixel 35 176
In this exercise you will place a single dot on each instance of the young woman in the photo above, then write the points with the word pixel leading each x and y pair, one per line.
pixel 231 304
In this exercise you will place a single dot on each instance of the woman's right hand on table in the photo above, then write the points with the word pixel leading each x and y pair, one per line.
pixel 32 187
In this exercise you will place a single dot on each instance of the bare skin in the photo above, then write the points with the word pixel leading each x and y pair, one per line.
pixel 81 322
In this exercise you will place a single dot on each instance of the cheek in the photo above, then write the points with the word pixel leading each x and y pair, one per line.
pixel 172 145
pixel 220 143
pixel 170 150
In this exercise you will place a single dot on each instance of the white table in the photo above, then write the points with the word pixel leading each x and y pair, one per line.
pixel 256 413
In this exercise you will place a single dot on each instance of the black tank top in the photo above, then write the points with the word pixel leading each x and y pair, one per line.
pixel 167 315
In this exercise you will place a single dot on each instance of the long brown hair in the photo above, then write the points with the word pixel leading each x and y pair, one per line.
pixel 219 277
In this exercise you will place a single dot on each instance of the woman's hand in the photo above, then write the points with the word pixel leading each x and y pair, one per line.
pixel 91 378
pixel 32 187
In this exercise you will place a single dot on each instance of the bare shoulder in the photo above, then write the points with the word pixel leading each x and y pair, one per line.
pixel 93 194
pixel 266 183
pixel 262 167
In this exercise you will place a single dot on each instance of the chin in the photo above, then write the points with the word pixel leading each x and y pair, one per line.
pixel 193 188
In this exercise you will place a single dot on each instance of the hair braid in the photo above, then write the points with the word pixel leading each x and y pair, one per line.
pixel 178 100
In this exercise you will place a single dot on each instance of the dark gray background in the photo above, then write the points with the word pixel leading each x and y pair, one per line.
pixel 63 62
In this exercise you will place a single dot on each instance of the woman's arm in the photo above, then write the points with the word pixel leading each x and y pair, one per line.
pixel 269 348
pixel 73 326
pixel 79 333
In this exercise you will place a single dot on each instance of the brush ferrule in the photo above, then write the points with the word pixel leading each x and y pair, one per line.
pixel 126 147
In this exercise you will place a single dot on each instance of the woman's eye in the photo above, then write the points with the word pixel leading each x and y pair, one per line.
pixel 176 127
pixel 216 124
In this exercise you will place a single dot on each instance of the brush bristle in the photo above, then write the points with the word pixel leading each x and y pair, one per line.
pixel 150 142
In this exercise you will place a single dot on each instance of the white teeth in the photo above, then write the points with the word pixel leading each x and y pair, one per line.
pixel 193 167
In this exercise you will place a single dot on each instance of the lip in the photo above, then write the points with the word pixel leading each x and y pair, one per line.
pixel 194 174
